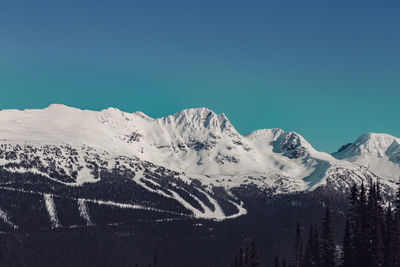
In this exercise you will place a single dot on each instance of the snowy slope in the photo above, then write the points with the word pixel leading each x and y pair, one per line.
pixel 196 142
pixel 379 153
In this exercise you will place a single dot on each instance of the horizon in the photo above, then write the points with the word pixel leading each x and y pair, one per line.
pixel 329 71
pixel 243 134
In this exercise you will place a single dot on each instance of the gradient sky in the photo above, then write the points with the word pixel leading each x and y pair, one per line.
pixel 327 69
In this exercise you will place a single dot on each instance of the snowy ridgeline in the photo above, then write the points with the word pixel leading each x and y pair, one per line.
pixel 184 158
pixel 194 141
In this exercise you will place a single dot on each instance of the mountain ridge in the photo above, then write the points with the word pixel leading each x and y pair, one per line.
pixel 187 111
pixel 194 158
pixel 195 140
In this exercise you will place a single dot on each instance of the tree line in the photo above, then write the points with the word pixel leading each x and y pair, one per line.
pixel 371 235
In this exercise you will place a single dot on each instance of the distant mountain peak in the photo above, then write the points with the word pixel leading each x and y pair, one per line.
pixel 368 143
pixel 376 139
pixel 199 118
pixel 379 152
pixel 59 106
pixel 195 111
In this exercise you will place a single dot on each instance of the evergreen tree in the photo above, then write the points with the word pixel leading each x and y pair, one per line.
pixel 155 257
pixel 360 240
pixel 241 258
pixel 348 250
pixel 349 239
pixel 254 261
pixel 388 238
pixel 311 254
pixel 277 261
pixel 236 263
pixel 298 247
pixel 315 249
pixel 327 243
pixel 375 229
pixel 247 257
pixel 353 199
pixel 307 260
pixel 396 231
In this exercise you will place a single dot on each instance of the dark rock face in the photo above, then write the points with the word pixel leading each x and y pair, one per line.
pixel 295 153
pixel 200 145
pixel 344 147
pixel 133 137
pixel 290 145
pixel 222 159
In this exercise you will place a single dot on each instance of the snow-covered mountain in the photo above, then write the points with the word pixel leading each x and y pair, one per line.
pixel 379 153
pixel 185 158
pixel 195 141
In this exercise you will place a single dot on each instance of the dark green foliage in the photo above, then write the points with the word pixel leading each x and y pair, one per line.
pixel 316 251
pixel 327 243
pixel 348 249
pixel 388 238
pixel 254 261
pixel 155 258
pixel 248 257
pixel 311 253
pixel 372 233
pixel 396 232
pixel 298 247
pixel 277 262
pixel 371 237
pixel 308 261
pixel 360 229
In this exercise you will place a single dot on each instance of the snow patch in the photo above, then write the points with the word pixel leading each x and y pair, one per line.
pixel 83 211
pixel 4 216
pixel 51 210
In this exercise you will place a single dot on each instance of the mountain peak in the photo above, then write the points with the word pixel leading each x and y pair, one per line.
pixel 58 106
pixel 382 139
pixel 378 152
pixel 195 113
pixel 368 143
pixel 199 118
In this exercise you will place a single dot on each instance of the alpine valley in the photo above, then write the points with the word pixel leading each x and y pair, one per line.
pixel 83 188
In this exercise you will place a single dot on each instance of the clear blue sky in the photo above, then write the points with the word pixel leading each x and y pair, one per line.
pixel 327 69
